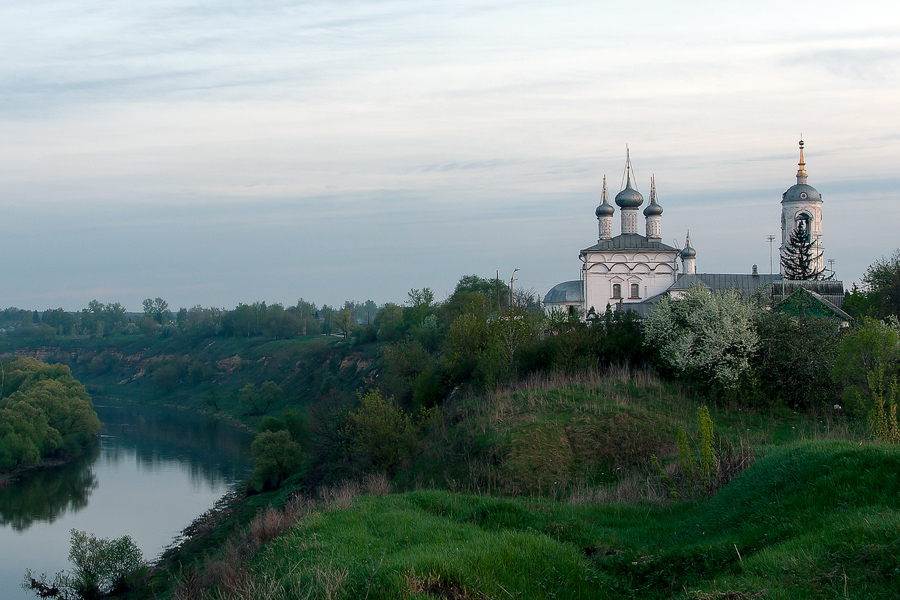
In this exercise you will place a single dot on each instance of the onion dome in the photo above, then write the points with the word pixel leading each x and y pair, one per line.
pixel 801 191
pixel 688 252
pixel 654 209
pixel 605 209
pixel 629 197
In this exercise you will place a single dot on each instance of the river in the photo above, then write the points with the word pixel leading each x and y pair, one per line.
pixel 152 472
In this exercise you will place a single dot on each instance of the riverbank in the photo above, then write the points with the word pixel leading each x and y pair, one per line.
pixel 10 476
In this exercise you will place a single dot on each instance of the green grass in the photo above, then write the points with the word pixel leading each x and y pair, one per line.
pixel 810 520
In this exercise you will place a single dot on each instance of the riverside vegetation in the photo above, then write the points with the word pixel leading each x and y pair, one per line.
pixel 475 449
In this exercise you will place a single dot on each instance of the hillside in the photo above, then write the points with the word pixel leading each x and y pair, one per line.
pixel 555 498
pixel 810 520
pixel 207 373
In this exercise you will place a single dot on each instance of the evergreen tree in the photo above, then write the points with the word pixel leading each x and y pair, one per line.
pixel 800 258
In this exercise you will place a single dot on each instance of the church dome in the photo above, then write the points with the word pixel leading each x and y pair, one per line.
pixel 629 197
pixel 688 252
pixel 801 192
pixel 605 210
pixel 653 209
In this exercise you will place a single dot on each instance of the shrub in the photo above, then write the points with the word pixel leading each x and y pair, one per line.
pixel 705 335
pixel 101 567
pixel 381 434
pixel 277 458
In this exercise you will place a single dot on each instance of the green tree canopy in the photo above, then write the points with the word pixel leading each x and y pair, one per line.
pixel 882 284
pixel 43 410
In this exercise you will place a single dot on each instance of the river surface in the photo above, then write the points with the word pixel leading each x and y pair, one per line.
pixel 152 472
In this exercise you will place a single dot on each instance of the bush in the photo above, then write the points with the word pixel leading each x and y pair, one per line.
pixel 381 434
pixel 277 458
pixel 704 335
pixel 101 567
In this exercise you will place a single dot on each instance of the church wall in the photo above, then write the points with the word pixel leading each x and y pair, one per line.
pixel 653 273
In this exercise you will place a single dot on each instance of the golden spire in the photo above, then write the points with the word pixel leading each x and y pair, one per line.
pixel 801 172
pixel 653 189
pixel 605 200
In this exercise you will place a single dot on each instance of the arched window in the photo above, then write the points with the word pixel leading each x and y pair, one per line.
pixel 802 225
pixel 635 291
pixel 617 290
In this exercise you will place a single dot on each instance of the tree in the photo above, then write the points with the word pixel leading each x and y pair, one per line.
pixel 258 400
pixel 157 309
pixel 800 258
pixel 882 285
pixel 101 567
pixel 870 347
pixel 704 334
pixel 382 435
pixel 495 290
pixel 277 458
pixel 794 359
pixel 343 320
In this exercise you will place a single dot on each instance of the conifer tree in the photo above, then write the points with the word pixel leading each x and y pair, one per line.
pixel 800 258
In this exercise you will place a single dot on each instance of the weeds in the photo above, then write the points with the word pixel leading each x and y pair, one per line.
pixel 690 478
pixel 883 408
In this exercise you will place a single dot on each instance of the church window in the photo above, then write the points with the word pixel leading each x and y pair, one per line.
pixel 617 290
pixel 635 291
pixel 803 220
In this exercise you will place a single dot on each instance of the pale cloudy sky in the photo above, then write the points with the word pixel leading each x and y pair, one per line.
pixel 216 152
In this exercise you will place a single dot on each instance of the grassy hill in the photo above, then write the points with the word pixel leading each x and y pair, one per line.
pixel 814 519
pixel 555 498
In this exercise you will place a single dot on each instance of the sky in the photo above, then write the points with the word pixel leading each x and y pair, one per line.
pixel 211 153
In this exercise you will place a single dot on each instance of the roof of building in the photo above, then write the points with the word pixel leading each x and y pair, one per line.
pixel 801 192
pixel 567 291
pixel 745 285
pixel 829 289
pixel 629 241
pixel 804 302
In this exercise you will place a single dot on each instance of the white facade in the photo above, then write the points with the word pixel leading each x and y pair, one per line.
pixel 616 276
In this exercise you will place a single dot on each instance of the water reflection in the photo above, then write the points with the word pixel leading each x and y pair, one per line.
pixel 47 494
pixel 213 453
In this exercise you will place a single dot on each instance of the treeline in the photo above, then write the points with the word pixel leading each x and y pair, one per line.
pixel 245 320
pixel 44 413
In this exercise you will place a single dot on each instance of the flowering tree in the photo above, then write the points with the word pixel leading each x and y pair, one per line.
pixel 704 333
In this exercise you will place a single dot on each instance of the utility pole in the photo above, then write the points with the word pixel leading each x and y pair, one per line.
pixel 511 279
pixel 771 239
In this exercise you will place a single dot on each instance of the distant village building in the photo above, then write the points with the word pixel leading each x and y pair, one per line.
pixel 633 270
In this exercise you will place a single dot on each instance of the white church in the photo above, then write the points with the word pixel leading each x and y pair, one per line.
pixel 634 270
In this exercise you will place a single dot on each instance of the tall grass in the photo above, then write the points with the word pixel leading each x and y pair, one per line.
pixel 810 520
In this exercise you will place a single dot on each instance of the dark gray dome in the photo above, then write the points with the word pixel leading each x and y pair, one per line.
pixel 688 252
pixel 801 192
pixel 605 210
pixel 629 197
pixel 654 208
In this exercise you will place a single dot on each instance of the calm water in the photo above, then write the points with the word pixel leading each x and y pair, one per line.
pixel 150 474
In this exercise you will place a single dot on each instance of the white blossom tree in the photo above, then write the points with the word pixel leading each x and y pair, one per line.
pixel 704 333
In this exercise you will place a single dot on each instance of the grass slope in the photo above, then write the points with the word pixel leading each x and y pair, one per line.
pixel 813 519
